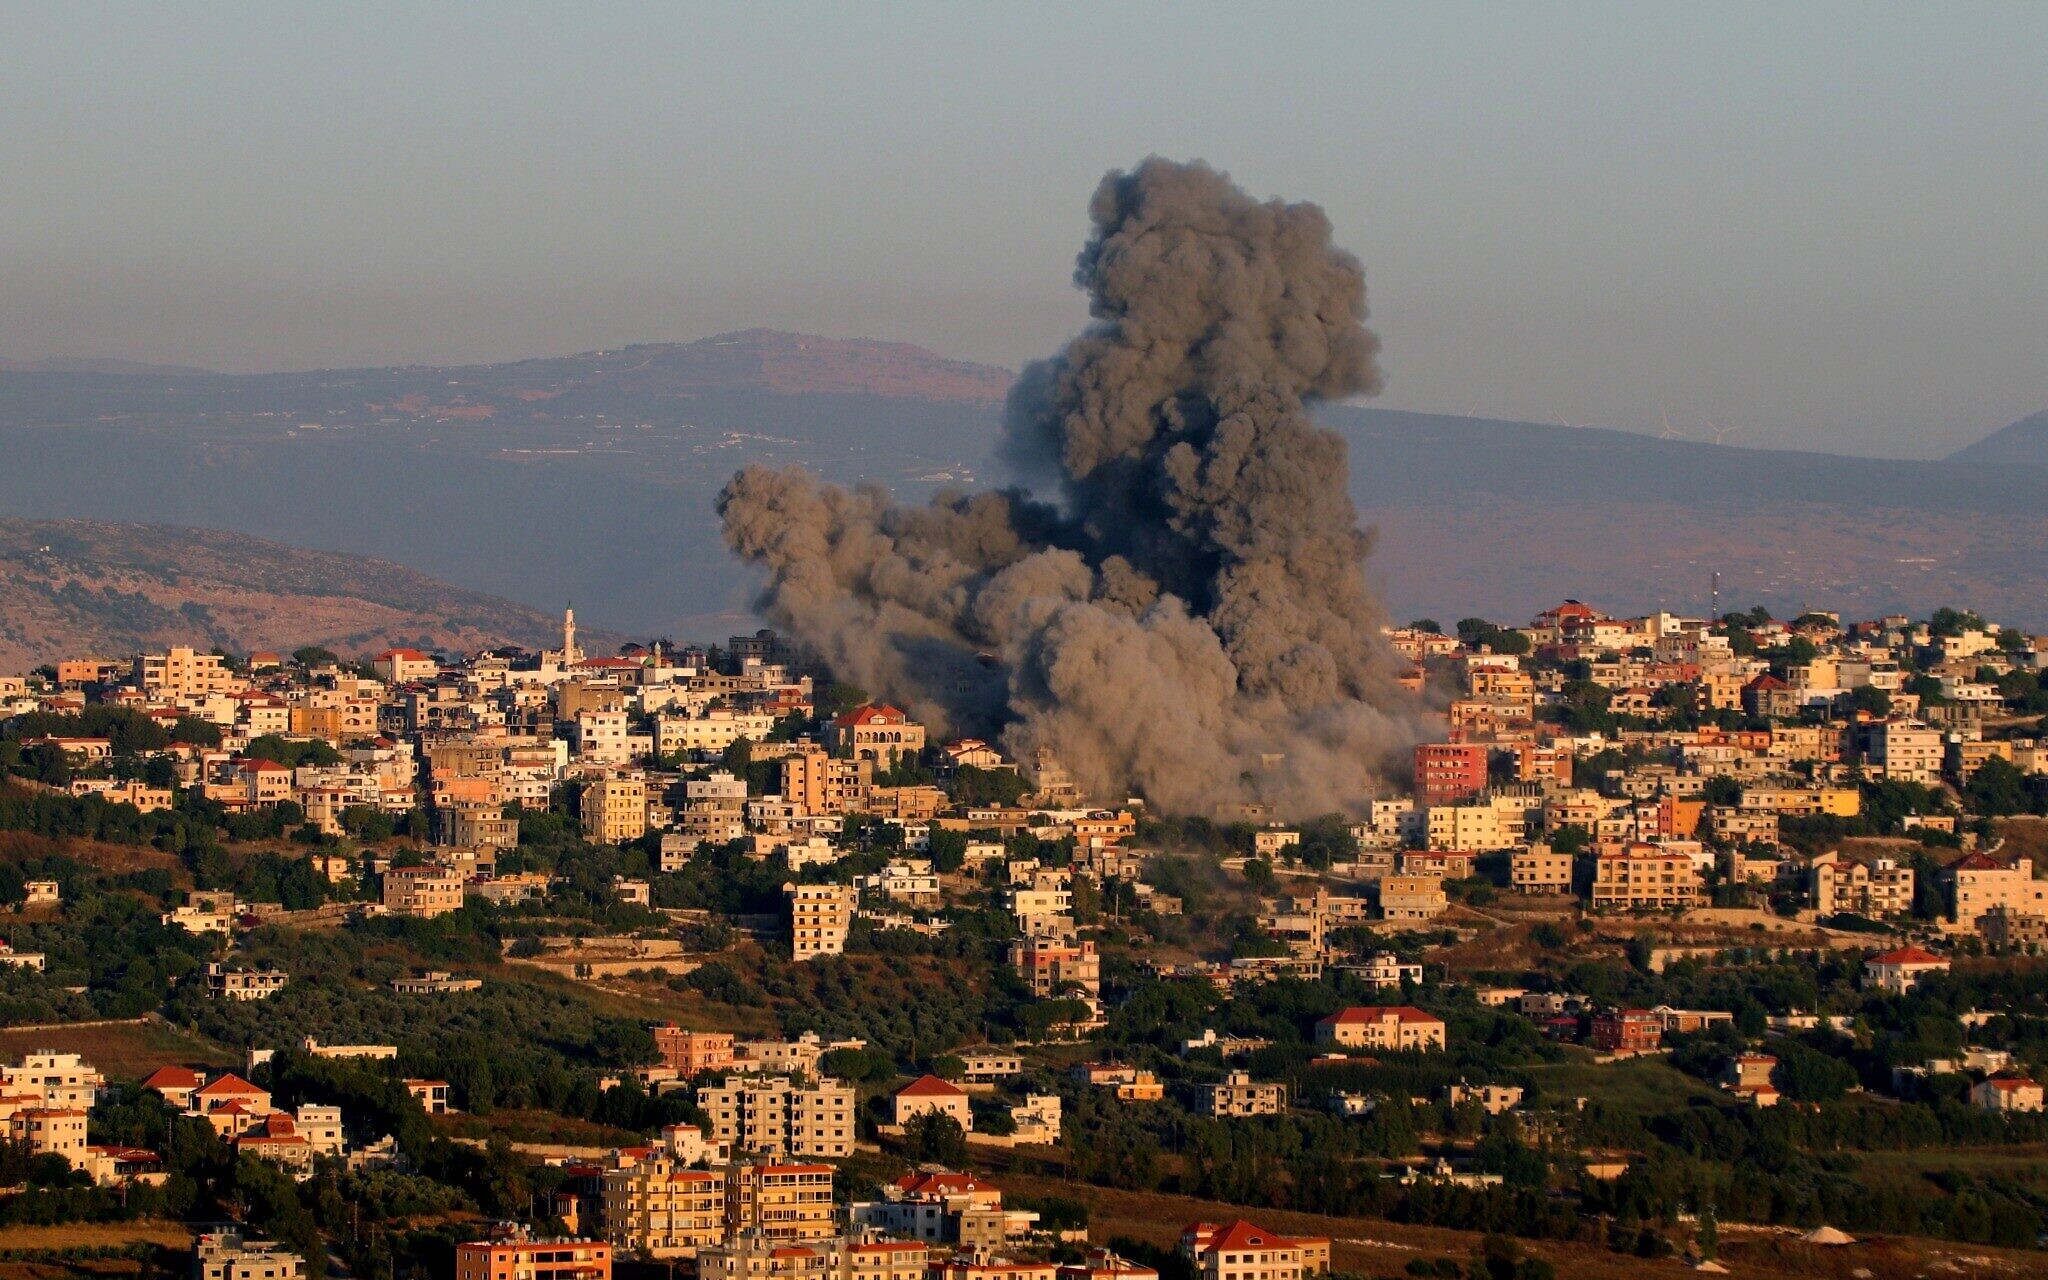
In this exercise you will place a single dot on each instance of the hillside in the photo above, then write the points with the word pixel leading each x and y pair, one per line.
pixel 2024 444
pixel 591 477
pixel 72 587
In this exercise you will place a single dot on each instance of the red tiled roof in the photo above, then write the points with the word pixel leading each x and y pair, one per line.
pixel 930 1086
pixel 1907 955
pixel 231 1085
pixel 172 1077
pixel 1376 1013
pixel 871 714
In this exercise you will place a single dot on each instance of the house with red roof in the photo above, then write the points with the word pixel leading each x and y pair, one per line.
pixel 403 666
pixel 2008 1094
pixel 231 1104
pixel 882 734
pixel 929 1094
pixel 276 1138
pixel 175 1085
pixel 1899 970
pixel 1246 1251
pixel 1395 1027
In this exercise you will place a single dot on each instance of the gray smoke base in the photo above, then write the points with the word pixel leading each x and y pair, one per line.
pixel 1189 620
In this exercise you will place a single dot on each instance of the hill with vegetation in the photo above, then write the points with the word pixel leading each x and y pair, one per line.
pixel 73 587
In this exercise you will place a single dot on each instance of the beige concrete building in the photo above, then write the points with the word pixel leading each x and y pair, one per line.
pixel 1537 869
pixel 1412 898
pixel 819 783
pixel 820 917
pixel 778 1116
pixel 1390 1027
pixel 1878 888
pixel 1645 877
pixel 181 672
pixel 425 891
pixel 1980 884
pixel 1240 1095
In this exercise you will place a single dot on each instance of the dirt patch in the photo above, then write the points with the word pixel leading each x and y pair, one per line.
pixel 122 1050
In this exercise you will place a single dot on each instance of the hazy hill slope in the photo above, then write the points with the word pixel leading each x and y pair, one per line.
pixel 592 477
pixel 72 587
pixel 2023 443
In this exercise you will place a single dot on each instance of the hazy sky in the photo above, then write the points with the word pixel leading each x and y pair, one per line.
pixel 1824 225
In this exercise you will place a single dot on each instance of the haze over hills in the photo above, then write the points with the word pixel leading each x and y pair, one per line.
pixel 2023 444
pixel 79 587
pixel 592 477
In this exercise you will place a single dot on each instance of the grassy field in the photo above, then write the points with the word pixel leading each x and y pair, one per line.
pixel 123 1050
pixel 1378 1249
pixel 1641 1085
pixel 96 1235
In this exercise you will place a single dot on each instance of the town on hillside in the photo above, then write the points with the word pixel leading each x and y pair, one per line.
pixel 1719 942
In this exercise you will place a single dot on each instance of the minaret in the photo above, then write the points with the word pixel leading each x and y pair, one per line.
pixel 571 655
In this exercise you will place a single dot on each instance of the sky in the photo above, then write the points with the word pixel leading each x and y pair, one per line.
pixel 1794 226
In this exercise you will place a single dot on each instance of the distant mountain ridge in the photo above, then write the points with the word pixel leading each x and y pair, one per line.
pixel 646 379
pixel 71 587
pixel 2023 444
pixel 89 364
pixel 594 476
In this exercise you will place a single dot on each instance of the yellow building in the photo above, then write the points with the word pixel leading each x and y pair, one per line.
pixel 615 810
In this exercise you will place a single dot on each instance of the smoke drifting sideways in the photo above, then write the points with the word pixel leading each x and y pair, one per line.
pixel 1188 618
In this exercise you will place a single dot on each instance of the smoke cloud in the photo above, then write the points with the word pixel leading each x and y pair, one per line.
pixel 1188 617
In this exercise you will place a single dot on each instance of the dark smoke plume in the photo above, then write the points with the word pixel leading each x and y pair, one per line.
pixel 1189 619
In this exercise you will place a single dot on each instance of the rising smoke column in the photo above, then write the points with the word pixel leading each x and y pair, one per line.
pixel 1188 616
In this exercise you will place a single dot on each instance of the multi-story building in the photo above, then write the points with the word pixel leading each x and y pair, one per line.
pixel 819 783
pixel 1878 888
pixel 1447 772
pixel 1907 751
pixel 782 1201
pixel 1242 1251
pixel 1980 884
pixel 515 1255
pixel 659 1205
pixel 1627 1031
pixel 1240 1095
pixel 1643 876
pixel 52 1079
pixel 689 1053
pixel 426 891
pixel 181 672
pixel 615 810
pixel 777 1116
pixel 1412 897
pixel 754 1256
pixel 1053 965
pixel 820 917
pixel 1539 869
pixel 1387 1027
pixel 882 735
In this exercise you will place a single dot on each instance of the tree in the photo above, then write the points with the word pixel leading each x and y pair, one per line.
pixel 947 850
pixel 1870 700
pixel 937 1137
pixel 1998 789
pixel 313 655
pixel 1430 625
pixel 839 699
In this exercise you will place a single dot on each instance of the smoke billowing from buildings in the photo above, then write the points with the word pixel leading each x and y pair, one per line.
pixel 1186 616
